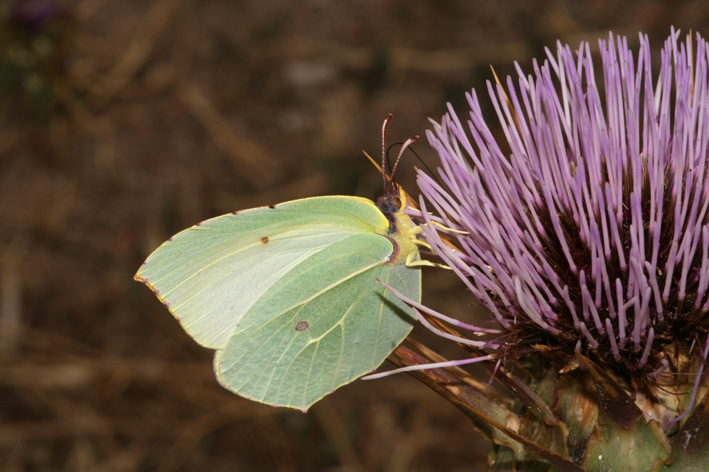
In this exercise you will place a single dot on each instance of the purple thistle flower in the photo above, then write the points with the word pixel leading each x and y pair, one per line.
pixel 588 230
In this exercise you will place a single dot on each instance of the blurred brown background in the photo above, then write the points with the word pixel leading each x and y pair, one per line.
pixel 122 122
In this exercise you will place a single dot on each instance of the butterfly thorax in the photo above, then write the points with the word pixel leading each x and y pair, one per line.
pixel 402 231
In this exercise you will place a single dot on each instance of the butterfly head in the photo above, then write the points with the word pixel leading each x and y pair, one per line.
pixel 392 201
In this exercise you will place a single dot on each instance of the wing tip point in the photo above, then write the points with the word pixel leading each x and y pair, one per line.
pixel 138 277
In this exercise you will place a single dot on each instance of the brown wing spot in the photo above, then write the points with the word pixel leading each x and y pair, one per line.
pixel 271 206
pixel 264 240
pixel 301 326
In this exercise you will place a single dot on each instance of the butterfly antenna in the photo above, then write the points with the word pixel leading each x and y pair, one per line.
pixel 425 166
pixel 429 171
pixel 407 143
pixel 384 149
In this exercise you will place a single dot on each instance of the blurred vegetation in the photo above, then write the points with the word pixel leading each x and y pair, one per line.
pixel 124 122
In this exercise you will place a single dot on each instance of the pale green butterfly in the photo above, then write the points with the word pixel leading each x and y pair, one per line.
pixel 289 295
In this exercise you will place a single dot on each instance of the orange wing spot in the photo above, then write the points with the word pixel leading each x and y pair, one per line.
pixel 264 240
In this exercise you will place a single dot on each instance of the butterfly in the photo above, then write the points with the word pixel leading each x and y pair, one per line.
pixel 291 296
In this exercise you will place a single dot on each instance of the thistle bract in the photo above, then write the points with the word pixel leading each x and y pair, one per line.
pixel 585 232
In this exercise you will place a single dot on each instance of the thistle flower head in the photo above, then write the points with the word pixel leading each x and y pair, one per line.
pixel 586 229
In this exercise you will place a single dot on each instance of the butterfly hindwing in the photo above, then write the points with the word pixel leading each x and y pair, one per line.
pixel 327 323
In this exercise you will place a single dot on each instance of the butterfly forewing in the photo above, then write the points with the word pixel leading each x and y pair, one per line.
pixel 211 274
